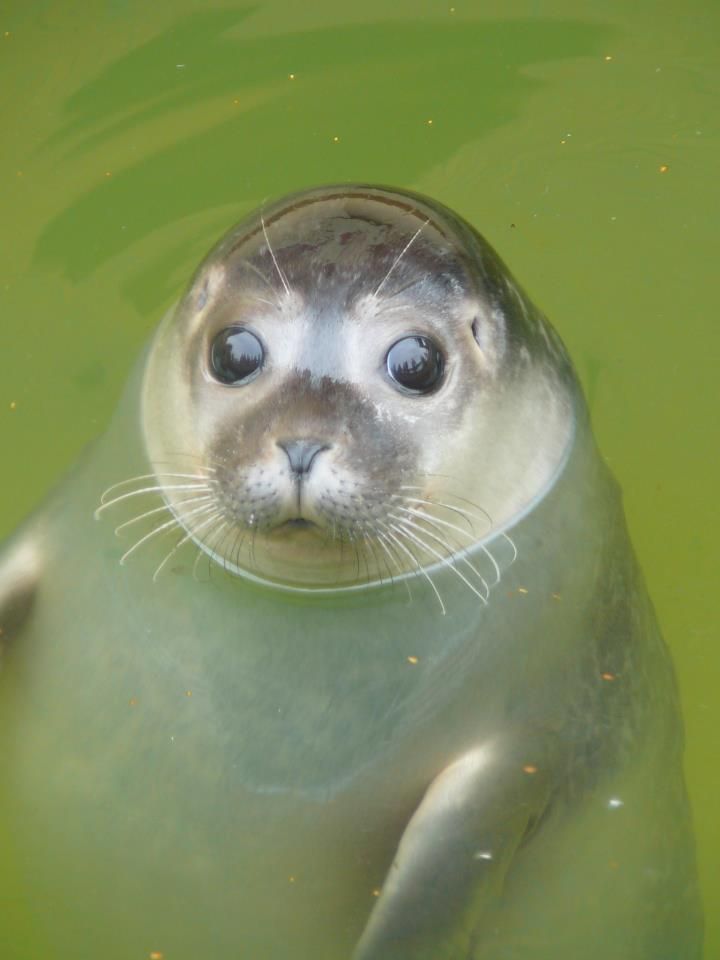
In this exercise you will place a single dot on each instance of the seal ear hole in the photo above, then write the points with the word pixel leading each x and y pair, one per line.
pixel 489 335
pixel 236 356
pixel 478 333
pixel 202 297
pixel 208 286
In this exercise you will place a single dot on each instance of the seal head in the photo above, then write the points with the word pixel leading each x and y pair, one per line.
pixel 352 390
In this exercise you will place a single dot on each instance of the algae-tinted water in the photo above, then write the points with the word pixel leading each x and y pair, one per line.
pixel 582 139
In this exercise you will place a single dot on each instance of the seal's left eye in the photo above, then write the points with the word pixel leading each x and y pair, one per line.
pixel 236 355
pixel 415 363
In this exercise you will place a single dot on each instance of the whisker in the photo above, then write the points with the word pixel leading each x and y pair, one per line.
pixel 204 458
pixel 397 306
pixel 251 266
pixel 470 534
pixel 188 536
pixel 159 489
pixel 239 541
pixel 400 256
pixel 352 543
pixel 156 510
pixel 514 548
pixel 406 286
pixel 393 555
pixel 457 496
pixel 420 568
pixel 452 526
pixel 370 534
pixel 274 258
pixel 150 476
pixel 460 552
pixel 464 514
pixel 252 549
pixel 359 550
pixel 380 537
pixel 369 542
pixel 202 553
pixel 221 555
pixel 267 303
pixel 181 454
pixel 174 522
pixel 441 558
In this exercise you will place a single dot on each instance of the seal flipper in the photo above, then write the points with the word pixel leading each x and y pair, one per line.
pixel 19 578
pixel 455 851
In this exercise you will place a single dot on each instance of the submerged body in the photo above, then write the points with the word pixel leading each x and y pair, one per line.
pixel 424 712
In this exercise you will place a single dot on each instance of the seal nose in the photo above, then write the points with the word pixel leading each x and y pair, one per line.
pixel 301 453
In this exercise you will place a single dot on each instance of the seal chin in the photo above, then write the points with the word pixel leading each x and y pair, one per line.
pixel 297 554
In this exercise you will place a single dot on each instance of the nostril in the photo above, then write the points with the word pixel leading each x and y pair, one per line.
pixel 301 453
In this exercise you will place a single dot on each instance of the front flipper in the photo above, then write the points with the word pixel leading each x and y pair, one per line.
pixel 19 577
pixel 455 851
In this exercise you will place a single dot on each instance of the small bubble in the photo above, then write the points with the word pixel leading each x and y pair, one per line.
pixel 530 768
pixel 291 76
pixel 413 660
pixel 608 676
pixel 13 404
pixel 336 139
pixel 664 168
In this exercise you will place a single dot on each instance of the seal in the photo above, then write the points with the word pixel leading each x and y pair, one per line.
pixel 370 670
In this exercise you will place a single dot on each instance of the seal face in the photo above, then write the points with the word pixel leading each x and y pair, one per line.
pixel 349 385
pixel 306 760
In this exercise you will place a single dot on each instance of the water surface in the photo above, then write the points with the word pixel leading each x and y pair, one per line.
pixel 582 139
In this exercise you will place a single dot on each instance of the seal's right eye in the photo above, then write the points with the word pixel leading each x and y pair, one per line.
pixel 236 356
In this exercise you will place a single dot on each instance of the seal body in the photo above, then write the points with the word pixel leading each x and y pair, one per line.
pixel 378 677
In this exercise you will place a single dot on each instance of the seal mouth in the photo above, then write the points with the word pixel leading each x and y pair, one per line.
pixel 299 523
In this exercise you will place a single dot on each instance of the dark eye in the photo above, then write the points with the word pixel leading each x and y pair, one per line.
pixel 415 364
pixel 236 355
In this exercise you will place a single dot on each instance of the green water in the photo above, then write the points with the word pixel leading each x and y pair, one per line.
pixel 581 138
